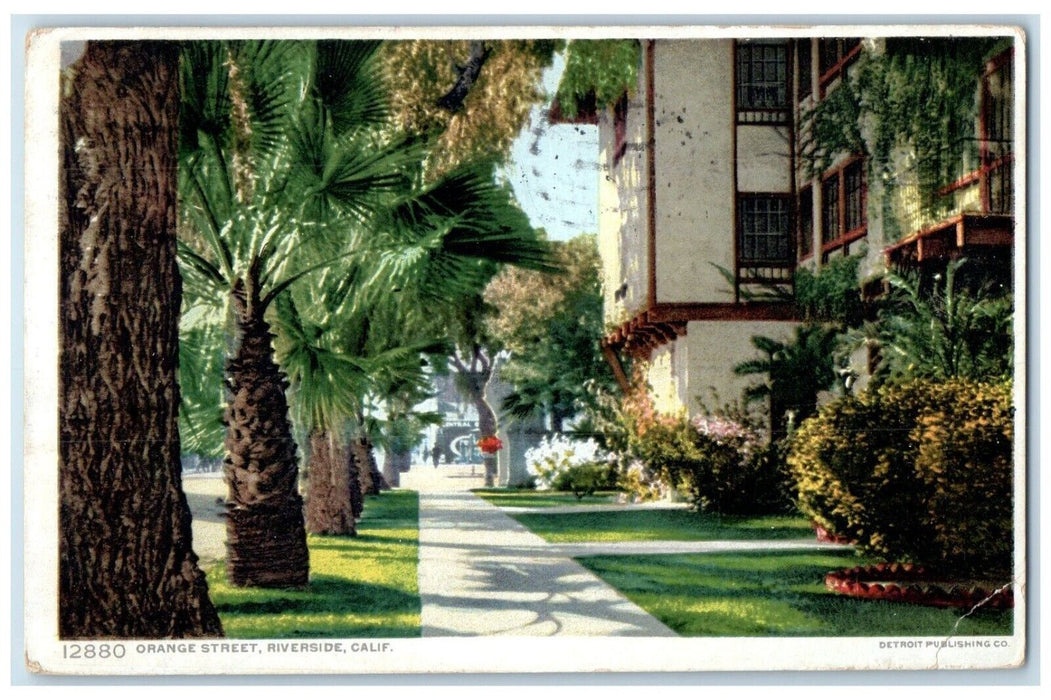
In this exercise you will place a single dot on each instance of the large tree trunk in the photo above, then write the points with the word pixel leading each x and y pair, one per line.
pixel 265 534
pixel 126 563
pixel 474 384
pixel 330 509
pixel 486 427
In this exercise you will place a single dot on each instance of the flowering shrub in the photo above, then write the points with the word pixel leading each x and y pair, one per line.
pixel 719 462
pixel 490 444
pixel 920 472
pixel 562 464
pixel 643 484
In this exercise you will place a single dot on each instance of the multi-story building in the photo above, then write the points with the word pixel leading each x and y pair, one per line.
pixel 709 204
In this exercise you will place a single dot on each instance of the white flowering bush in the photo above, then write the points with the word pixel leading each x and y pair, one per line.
pixel 561 464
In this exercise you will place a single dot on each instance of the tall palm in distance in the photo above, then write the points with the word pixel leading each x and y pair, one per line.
pixel 283 156
pixel 290 171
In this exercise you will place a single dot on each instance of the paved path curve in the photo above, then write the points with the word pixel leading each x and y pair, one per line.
pixel 482 573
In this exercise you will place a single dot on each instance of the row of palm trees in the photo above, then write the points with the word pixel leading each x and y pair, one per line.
pixel 323 265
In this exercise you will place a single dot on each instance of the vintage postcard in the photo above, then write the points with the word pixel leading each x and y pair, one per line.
pixel 525 349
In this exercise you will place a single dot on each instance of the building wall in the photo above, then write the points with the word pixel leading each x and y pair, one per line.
pixel 764 160
pixel 696 371
pixel 668 377
pixel 715 347
pixel 623 207
pixel 693 90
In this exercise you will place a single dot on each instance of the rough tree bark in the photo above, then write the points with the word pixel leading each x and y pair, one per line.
pixel 265 533
pixel 369 476
pixel 330 508
pixel 126 563
pixel 357 498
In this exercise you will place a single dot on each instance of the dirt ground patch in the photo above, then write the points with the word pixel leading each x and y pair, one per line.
pixel 206 494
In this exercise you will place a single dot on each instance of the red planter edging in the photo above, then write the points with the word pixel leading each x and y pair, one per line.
pixel 824 535
pixel 906 583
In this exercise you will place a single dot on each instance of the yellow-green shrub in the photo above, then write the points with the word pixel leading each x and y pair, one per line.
pixel 917 472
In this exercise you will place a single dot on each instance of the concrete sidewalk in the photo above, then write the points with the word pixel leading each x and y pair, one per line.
pixel 482 573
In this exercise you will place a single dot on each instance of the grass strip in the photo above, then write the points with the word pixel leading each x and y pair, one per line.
pixel 517 498
pixel 634 525
pixel 772 593
pixel 364 586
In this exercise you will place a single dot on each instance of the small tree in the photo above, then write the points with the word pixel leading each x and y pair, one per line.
pixel 796 372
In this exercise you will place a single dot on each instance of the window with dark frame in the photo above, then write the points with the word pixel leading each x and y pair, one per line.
pixel 804 60
pixel 835 54
pixel 761 88
pixel 764 231
pixel 854 193
pixel 843 206
pixel 806 222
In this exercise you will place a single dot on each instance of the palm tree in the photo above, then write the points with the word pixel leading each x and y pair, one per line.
pixel 290 170
pixel 796 372
pixel 361 336
pixel 943 330
pixel 283 157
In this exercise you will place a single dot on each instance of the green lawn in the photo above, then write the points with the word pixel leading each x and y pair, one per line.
pixel 617 526
pixel 362 586
pixel 522 498
pixel 772 593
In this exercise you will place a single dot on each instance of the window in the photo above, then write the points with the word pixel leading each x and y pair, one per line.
pixel 843 201
pixel 763 226
pixel 805 62
pixel 854 194
pixel 830 209
pixel 762 82
pixel 806 222
pixel 833 56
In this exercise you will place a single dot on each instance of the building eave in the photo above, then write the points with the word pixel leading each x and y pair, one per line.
pixel 948 238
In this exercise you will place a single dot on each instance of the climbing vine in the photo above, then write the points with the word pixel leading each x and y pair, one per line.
pixel 912 110
pixel 599 70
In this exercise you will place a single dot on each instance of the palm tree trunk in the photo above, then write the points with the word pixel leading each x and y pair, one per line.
pixel 379 482
pixel 126 563
pixel 266 539
pixel 391 473
pixel 359 453
pixel 330 508
pixel 357 498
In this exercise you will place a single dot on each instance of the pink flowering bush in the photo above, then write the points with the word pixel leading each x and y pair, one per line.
pixel 719 461
pixel 720 464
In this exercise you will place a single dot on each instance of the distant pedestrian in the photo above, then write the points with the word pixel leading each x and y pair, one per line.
pixel 436 454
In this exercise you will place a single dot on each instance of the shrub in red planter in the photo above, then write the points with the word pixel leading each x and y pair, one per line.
pixel 919 472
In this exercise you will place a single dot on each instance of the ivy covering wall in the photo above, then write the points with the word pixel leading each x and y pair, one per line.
pixel 912 110
pixel 600 70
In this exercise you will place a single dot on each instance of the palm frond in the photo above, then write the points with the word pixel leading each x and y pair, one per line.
pixel 349 84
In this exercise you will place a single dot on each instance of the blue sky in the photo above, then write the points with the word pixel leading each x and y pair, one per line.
pixel 553 170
